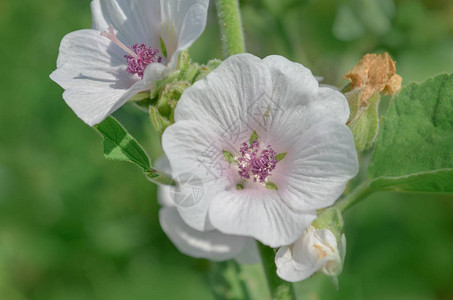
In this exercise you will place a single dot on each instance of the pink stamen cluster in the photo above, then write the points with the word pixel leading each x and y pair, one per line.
pixel 255 162
pixel 143 57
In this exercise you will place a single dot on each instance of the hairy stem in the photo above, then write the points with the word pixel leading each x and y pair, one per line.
pixel 279 289
pixel 230 27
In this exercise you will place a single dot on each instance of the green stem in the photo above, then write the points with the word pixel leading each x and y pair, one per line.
pixel 358 194
pixel 279 289
pixel 230 26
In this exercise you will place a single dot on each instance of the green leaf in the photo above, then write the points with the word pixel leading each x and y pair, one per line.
pixel 120 145
pixel 270 186
pixel 414 149
pixel 253 137
pixel 228 157
pixel 280 156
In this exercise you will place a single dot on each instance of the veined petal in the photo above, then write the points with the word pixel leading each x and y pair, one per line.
pixel 210 244
pixel 293 83
pixel 94 76
pixel 195 154
pixel 260 214
pixel 297 101
pixel 183 22
pixel 315 171
pixel 291 271
pixel 315 250
pixel 137 21
pixel 232 99
pixel 95 104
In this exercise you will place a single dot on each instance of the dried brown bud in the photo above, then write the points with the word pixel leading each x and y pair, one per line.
pixel 374 73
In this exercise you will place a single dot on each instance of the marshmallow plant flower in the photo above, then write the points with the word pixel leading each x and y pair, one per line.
pixel 269 146
pixel 103 67
pixel 316 250
pixel 212 245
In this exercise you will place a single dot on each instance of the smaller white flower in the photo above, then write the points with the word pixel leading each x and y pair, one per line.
pixel 316 250
pixel 212 245
pixel 101 68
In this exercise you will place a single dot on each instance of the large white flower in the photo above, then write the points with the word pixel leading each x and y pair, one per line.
pixel 315 250
pixel 212 244
pixel 101 72
pixel 232 130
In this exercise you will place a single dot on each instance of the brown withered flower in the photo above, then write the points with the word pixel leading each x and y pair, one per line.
pixel 374 73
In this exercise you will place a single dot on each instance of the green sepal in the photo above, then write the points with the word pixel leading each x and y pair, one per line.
pixel 159 178
pixel 120 145
pixel 280 156
pixel 169 97
pixel 140 96
pixel 253 137
pixel 364 119
pixel 229 157
pixel 159 123
pixel 330 218
pixel 270 185
pixel 163 47
pixel 208 68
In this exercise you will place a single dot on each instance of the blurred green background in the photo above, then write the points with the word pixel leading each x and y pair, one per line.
pixel 76 226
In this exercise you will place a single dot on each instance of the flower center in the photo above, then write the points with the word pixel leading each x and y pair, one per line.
pixel 138 57
pixel 255 162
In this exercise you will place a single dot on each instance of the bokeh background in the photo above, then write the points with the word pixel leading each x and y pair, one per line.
pixel 76 226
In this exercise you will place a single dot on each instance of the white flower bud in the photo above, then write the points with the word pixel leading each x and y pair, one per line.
pixel 317 250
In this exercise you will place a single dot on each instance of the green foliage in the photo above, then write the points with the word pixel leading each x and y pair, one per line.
pixel 120 145
pixel 414 148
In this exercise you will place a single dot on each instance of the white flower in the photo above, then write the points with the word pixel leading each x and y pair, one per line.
pixel 315 250
pixel 101 72
pixel 212 245
pixel 256 195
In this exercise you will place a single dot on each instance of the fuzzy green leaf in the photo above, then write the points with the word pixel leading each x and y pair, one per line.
pixel 120 145
pixel 413 151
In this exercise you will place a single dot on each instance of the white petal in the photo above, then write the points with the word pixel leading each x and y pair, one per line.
pixel 293 83
pixel 258 213
pixel 163 196
pixel 315 172
pixel 94 76
pixel 249 254
pixel 94 105
pixel 289 270
pixel 211 244
pixel 195 154
pixel 230 97
pixel 162 164
pixel 183 21
pixel 137 21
